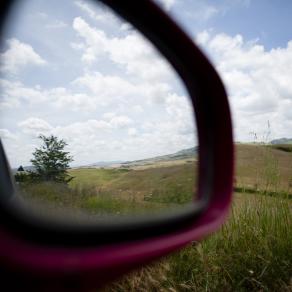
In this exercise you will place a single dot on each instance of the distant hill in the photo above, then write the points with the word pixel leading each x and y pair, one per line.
pixel 182 154
pixel 104 163
pixel 189 153
pixel 282 141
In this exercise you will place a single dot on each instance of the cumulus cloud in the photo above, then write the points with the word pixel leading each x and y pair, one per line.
pixel 137 109
pixel 132 132
pixel 86 8
pixel 257 81
pixel 112 137
pixel 126 27
pixel 95 40
pixel 166 4
pixel 132 51
pixel 108 89
pixel 6 134
pixel 108 115
pixel 98 12
pixel 35 126
pixel 15 94
pixel 201 11
pixel 105 86
pixel 19 55
pixel 102 114
pixel 88 92
pixel 120 121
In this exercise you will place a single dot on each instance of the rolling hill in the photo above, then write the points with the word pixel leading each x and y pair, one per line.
pixel 181 155
pixel 282 141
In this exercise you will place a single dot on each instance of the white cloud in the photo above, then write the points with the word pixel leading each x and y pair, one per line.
pixel 19 55
pixel 86 8
pixel 126 27
pixel 108 116
pixel 100 114
pixel 105 86
pixel 88 92
pixel 120 121
pixel 137 109
pixel 179 108
pixel 95 40
pixel 166 4
pixel 114 137
pixel 132 132
pixel 15 94
pixel 35 126
pixel 6 134
pixel 201 11
pixel 141 61
pixel 77 46
pixel 98 12
pixel 257 81
pixel 109 89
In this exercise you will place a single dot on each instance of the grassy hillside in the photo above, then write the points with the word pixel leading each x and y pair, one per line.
pixel 282 141
pixel 282 147
pixel 251 252
pixel 96 192
pixel 263 167
pixel 258 168
pixel 172 184
pixel 162 184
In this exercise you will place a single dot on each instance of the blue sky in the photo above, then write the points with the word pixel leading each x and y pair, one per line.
pixel 268 21
pixel 75 70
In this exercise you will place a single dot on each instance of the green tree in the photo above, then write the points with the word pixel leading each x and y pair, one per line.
pixel 51 162
pixel 22 177
pixel 20 168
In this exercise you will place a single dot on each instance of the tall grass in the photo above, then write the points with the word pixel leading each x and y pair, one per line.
pixel 54 198
pixel 251 252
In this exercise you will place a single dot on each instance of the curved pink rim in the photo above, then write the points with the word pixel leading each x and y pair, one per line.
pixel 96 266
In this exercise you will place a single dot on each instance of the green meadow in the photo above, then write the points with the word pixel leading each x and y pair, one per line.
pixel 251 252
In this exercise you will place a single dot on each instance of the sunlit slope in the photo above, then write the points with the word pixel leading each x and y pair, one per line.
pixel 258 167
pixel 164 184
pixel 264 167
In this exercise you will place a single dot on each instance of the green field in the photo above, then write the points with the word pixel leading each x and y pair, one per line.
pixel 251 252
pixel 264 168
pixel 97 192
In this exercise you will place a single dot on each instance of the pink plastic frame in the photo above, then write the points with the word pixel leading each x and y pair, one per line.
pixel 43 267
